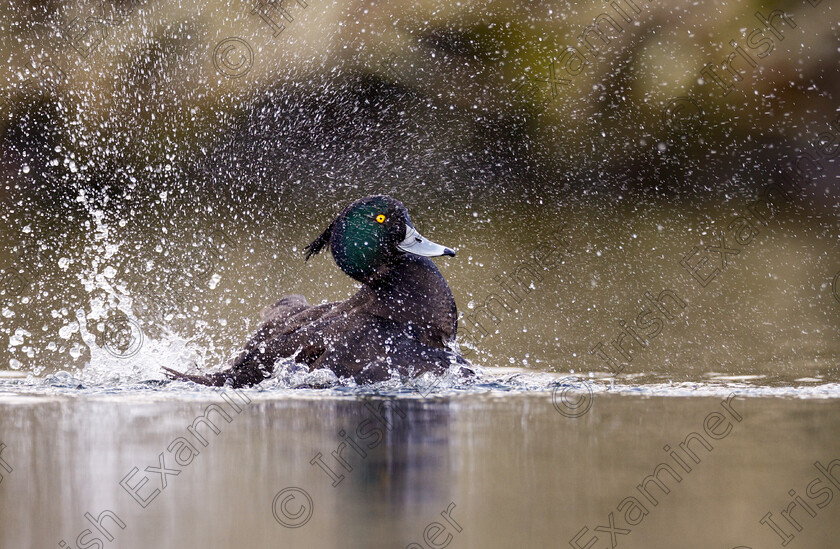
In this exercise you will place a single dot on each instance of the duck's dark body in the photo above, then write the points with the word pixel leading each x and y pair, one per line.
pixel 402 320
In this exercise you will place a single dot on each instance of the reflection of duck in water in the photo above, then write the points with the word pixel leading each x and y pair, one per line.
pixel 403 317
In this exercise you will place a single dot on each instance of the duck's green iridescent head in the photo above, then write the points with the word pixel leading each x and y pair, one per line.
pixel 371 233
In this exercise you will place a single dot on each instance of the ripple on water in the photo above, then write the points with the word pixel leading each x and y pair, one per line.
pixel 293 381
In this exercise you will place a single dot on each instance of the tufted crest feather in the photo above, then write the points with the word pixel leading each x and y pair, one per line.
pixel 319 243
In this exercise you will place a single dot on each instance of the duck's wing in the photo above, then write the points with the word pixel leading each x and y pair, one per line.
pixel 290 328
pixel 287 306
pixel 287 314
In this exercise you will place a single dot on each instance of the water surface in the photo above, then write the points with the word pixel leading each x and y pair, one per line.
pixel 509 467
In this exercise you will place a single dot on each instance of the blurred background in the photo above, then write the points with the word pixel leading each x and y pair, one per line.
pixel 633 186
pixel 164 163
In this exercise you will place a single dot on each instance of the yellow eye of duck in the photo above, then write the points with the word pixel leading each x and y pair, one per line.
pixel 380 218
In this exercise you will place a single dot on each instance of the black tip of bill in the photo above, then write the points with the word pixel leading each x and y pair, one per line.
pixel 450 253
